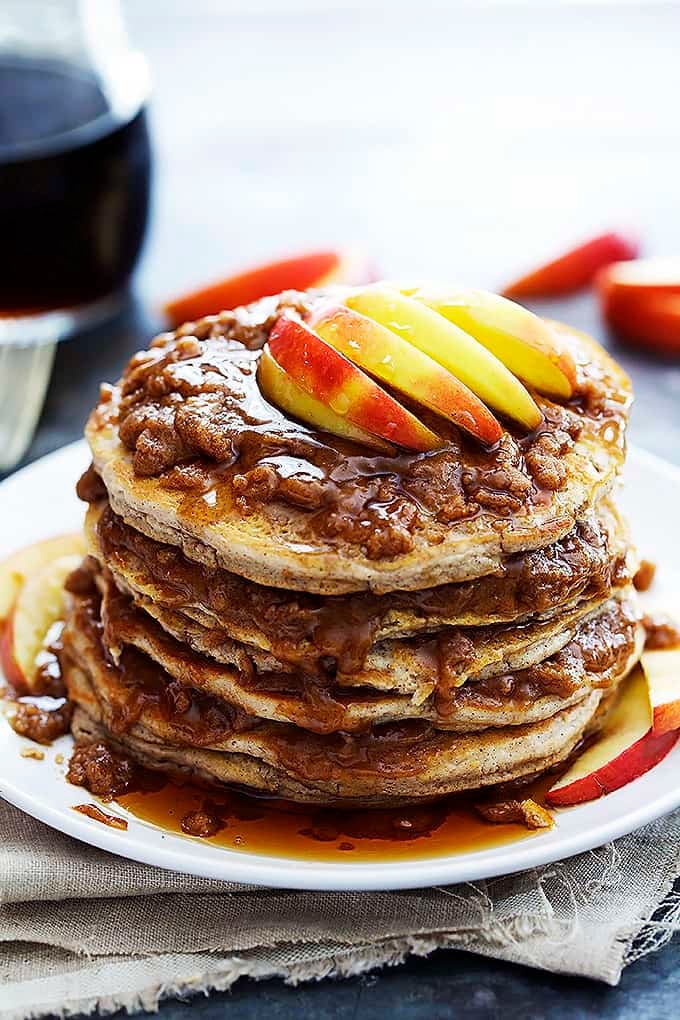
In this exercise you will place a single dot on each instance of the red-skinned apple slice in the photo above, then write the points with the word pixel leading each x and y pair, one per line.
pixel 451 346
pixel 651 322
pixel 573 270
pixel 29 560
pixel 662 670
pixel 398 363
pixel 523 342
pixel 640 301
pixel 627 748
pixel 300 272
pixel 8 663
pixel 640 278
pixel 281 390
pixel 38 606
pixel 333 380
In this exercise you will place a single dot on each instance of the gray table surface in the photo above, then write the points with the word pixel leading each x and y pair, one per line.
pixel 449 140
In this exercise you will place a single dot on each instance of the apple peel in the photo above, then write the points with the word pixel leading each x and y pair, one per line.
pixel 625 750
pixel 299 272
pixel 281 390
pixel 574 269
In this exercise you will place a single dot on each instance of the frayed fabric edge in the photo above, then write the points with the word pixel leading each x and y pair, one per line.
pixel 352 962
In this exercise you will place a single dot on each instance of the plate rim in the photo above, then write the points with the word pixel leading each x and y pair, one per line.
pixel 174 852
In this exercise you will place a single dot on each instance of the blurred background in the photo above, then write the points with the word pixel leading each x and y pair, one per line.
pixel 457 140
pixel 464 139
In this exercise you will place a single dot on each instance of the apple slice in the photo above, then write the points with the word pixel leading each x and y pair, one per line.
pixel 523 342
pixel 301 272
pixel 398 363
pixel 38 606
pixel 331 379
pixel 574 269
pixel 453 348
pixel 641 277
pixel 626 749
pixel 650 321
pixel 29 560
pixel 662 670
pixel 281 390
pixel 640 301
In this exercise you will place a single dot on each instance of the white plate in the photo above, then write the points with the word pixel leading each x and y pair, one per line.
pixel 40 501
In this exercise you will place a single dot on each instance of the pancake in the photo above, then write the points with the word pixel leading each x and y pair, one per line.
pixel 192 455
pixel 495 677
pixel 207 606
pixel 410 667
pixel 390 763
pixel 520 755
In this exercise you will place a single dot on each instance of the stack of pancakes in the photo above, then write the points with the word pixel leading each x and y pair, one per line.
pixel 274 608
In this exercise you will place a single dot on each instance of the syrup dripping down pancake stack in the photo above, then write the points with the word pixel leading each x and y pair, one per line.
pixel 336 585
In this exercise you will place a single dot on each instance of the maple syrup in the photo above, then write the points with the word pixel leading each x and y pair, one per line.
pixel 74 187
pixel 280 829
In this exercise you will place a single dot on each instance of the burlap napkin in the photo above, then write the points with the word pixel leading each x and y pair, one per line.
pixel 82 929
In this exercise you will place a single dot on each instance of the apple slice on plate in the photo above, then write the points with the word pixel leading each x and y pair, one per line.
pixel 405 368
pixel 452 347
pixel 573 270
pixel 527 345
pixel 25 562
pixel 300 272
pixel 38 606
pixel 626 748
pixel 662 669
pixel 329 377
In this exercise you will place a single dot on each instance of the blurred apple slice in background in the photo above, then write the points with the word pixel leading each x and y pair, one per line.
pixel 404 367
pixel 281 390
pixel 300 272
pixel 626 748
pixel 650 322
pixel 573 270
pixel 25 562
pixel 453 348
pixel 640 278
pixel 329 377
pixel 524 343
pixel 38 605
pixel 640 302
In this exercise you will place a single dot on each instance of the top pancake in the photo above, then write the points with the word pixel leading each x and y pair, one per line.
pixel 191 454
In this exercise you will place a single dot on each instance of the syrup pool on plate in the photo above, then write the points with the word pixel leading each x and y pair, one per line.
pixel 276 828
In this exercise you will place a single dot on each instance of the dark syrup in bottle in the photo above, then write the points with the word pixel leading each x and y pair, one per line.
pixel 74 187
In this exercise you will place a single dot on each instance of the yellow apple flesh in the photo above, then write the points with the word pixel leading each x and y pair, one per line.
pixel 524 343
pixel 38 606
pixel 452 347
pixel 27 561
pixel 662 669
